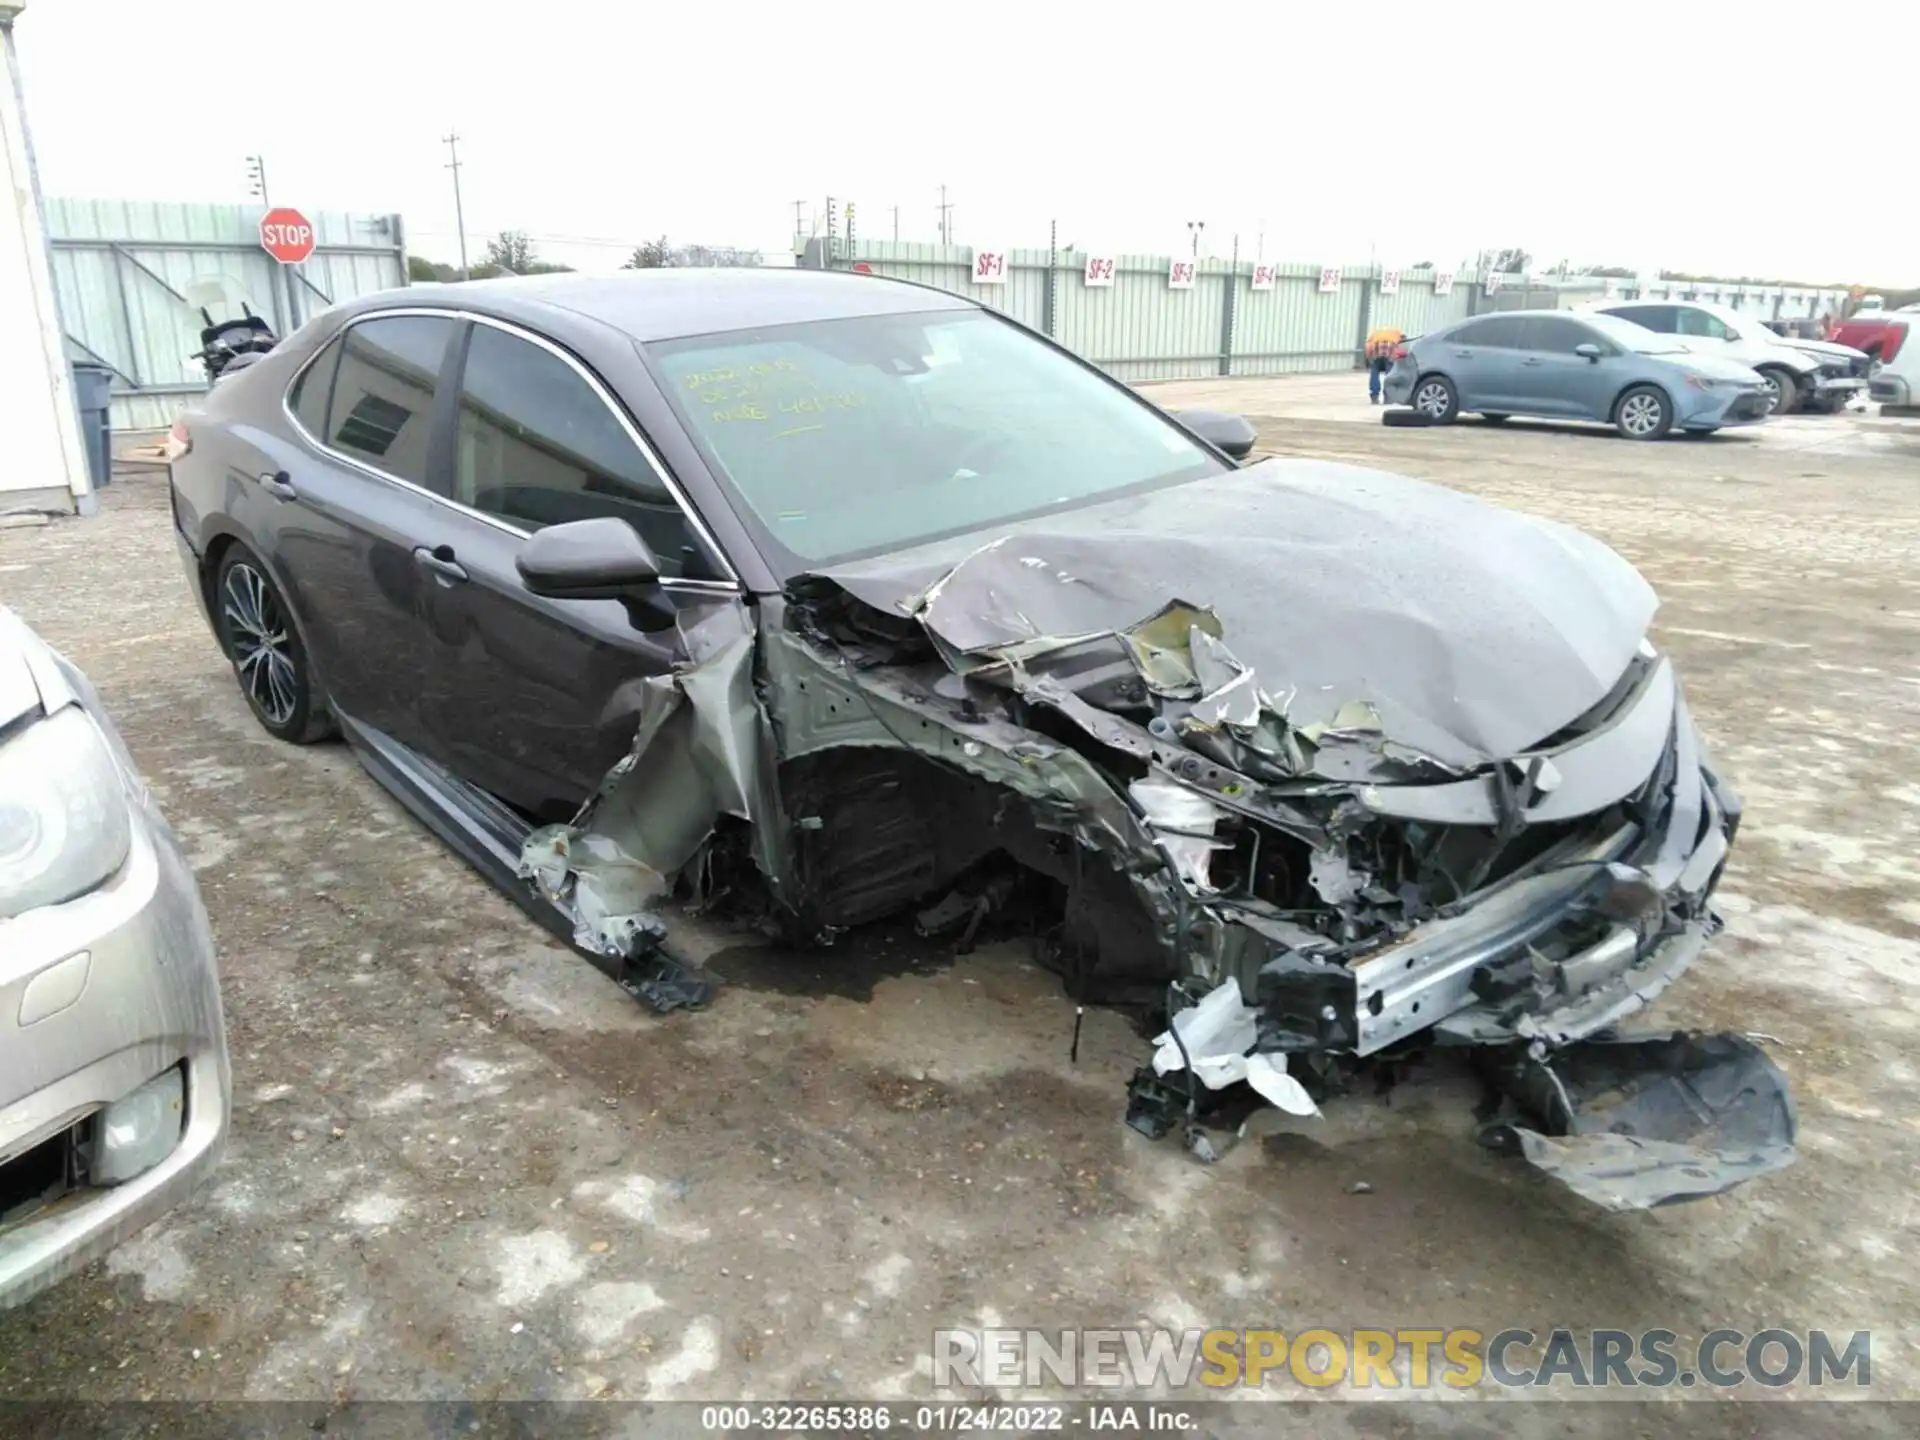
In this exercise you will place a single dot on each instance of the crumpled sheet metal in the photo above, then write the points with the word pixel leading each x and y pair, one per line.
pixel 696 756
pixel 1472 631
pixel 1655 1119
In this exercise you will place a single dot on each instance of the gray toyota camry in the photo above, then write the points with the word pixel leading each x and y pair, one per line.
pixel 823 599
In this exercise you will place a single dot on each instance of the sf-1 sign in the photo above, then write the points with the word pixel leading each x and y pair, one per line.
pixel 287 235
pixel 989 267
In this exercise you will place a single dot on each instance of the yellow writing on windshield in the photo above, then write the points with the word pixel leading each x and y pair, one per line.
pixel 816 404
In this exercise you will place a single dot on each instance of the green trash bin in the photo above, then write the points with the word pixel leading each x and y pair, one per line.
pixel 93 397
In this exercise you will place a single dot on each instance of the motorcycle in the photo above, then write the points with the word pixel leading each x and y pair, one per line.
pixel 232 344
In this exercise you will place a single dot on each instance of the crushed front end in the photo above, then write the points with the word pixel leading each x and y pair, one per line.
pixel 1309 877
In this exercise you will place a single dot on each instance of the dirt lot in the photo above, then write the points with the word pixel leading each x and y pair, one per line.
pixel 465 1165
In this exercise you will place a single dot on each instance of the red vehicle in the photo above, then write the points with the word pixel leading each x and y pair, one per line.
pixel 1878 332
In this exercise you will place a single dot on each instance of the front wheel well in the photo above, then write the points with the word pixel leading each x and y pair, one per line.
pixel 1613 410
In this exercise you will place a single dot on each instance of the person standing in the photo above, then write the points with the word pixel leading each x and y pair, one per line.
pixel 1382 341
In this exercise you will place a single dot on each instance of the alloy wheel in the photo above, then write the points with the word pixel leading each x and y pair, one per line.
pixel 1431 400
pixel 1640 415
pixel 1773 388
pixel 262 646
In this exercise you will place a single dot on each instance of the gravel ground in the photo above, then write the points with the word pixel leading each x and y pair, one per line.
pixel 464 1165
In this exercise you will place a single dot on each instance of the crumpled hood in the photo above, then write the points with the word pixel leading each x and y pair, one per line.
pixel 1474 632
pixel 1823 350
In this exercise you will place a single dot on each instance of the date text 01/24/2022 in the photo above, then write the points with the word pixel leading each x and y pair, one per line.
pixel 958 1419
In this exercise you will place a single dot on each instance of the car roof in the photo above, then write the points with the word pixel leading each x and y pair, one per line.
pixel 673 302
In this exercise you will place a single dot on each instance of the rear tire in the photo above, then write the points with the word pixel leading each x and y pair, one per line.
pixel 1643 413
pixel 1435 398
pixel 1786 390
pixel 269 661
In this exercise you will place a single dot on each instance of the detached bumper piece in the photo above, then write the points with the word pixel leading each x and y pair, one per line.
pixel 1631 1122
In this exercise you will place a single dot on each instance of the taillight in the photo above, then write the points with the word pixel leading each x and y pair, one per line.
pixel 1399 352
pixel 1890 347
pixel 178 442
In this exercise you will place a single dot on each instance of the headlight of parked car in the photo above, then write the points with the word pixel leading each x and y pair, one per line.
pixel 64 826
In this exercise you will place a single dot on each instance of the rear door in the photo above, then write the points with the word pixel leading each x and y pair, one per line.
pixel 1557 381
pixel 1483 356
pixel 350 505
pixel 535 699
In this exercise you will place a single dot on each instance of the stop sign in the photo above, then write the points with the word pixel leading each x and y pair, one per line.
pixel 287 235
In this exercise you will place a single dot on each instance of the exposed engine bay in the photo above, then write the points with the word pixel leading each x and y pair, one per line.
pixel 1314 799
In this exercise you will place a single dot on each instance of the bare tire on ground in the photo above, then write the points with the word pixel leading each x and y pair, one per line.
pixel 1403 419
pixel 1435 398
pixel 1643 413
pixel 257 632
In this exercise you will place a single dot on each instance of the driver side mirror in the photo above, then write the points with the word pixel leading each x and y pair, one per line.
pixel 1731 335
pixel 1588 350
pixel 597 559
pixel 1230 434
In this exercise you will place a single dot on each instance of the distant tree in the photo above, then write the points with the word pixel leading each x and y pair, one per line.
pixel 654 255
pixel 1612 272
pixel 422 271
pixel 511 251
pixel 660 255
pixel 1511 261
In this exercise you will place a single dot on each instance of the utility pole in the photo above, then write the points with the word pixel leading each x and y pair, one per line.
pixel 452 142
pixel 1194 227
pixel 946 218
pixel 257 178
pixel 896 224
pixel 797 205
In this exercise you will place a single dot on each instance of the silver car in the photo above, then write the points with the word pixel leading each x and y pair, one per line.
pixel 114 1083
pixel 1574 367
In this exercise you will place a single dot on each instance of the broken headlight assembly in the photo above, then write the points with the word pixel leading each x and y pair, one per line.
pixel 64 824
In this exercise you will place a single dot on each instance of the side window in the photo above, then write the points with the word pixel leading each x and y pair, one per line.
pixel 382 409
pixel 538 446
pixel 1659 318
pixel 1702 322
pixel 1495 332
pixel 1560 337
pixel 308 398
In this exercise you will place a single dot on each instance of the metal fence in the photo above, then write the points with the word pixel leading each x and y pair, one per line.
pixel 121 270
pixel 1303 318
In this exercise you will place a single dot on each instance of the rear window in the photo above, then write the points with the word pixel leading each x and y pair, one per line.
pixel 312 388
pixel 1495 332
pixel 384 389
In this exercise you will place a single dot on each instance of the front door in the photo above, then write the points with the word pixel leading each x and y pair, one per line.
pixel 535 699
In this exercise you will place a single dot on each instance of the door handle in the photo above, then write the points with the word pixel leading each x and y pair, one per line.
pixel 1530 360
pixel 279 485
pixel 440 560
pixel 1463 354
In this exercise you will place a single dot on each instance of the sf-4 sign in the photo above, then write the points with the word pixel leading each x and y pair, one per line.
pixel 1263 277
pixel 1180 275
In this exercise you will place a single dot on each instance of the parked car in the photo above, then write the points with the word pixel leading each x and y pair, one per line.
pixel 1876 332
pixel 839 597
pixel 114 1087
pixel 1897 380
pixel 1574 367
pixel 1821 377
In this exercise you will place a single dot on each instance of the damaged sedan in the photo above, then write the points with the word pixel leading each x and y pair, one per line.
pixel 823 598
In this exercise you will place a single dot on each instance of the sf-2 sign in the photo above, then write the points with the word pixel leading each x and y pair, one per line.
pixel 287 235
pixel 1099 271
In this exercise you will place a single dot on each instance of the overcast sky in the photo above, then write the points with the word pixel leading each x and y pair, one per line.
pixel 1694 134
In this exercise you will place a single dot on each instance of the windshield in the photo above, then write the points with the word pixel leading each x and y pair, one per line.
pixel 1629 336
pixel 858 436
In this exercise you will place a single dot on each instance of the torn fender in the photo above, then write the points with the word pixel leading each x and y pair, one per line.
pixel 698 754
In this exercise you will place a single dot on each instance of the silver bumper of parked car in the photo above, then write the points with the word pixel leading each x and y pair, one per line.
pixel 1890 389
pixel 114 1080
